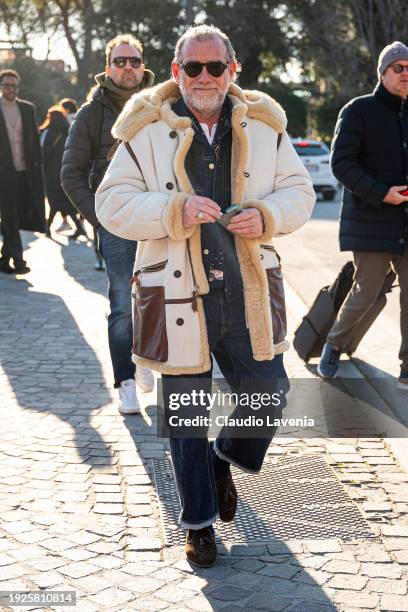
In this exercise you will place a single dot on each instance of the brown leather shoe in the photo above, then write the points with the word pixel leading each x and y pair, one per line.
pixel 200 547
pixel 227 498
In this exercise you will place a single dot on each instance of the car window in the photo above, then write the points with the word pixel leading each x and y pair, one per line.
pixel 310 149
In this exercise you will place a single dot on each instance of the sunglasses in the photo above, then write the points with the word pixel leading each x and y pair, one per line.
pixel 398 68
pixel 193 69
pixel 120 62
pixel 9 86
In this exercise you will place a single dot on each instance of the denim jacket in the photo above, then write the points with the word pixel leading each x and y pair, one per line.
pixel 209 170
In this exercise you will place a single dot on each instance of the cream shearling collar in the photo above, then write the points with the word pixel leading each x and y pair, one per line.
pixel 154 104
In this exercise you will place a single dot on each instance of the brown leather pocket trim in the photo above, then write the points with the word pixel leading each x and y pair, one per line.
pixel 179 301
pixel 146 270
pixel 277 302
pixel 149 324
pixel 269 247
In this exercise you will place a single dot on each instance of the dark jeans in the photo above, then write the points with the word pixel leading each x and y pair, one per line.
pixel 194 458
pixel 119 256
pixel 12 246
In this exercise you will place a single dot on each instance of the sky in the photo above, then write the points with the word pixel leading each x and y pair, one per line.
pixel 59 48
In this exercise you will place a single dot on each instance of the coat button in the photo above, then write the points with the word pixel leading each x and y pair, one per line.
pixel 173 134
pixel 211 166
pixel 177 273
pixel 401 241
pixel 404 144
pixel 206 251
pixel 244 124
pixel 180 322
pixel 169 185
pixel 262 256
pixel 246 174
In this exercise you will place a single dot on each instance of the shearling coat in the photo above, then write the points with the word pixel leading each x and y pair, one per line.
pixel 145 203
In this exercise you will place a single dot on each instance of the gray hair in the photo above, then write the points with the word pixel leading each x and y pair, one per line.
pixel 200 33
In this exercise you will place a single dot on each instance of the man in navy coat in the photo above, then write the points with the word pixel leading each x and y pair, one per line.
pixel 370 159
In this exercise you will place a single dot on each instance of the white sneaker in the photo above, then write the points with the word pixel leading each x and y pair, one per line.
pixel 128 399
pixel 403 382
pixel 144 379
pixel 64 227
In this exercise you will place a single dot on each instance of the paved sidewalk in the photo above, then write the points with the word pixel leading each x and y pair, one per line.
pixel 78 510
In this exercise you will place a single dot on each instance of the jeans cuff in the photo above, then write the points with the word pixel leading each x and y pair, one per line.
pixel 206 523
pixel 118 382
pixel 233 462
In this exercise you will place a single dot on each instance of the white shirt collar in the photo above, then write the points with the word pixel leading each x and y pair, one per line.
pixel 209 135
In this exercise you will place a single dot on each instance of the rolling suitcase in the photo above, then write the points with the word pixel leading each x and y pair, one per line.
pixel 311 334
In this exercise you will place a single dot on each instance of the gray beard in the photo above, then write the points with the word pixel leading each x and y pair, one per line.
pixel 206 105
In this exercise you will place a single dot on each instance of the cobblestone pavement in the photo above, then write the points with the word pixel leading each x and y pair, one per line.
pixel 78 509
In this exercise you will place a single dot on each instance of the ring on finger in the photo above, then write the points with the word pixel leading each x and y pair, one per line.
pixel 200 215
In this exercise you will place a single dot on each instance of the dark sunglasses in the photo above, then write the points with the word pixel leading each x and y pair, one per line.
pixel 193 69
pixel 9 86
pixel 120 62
pixel 398 68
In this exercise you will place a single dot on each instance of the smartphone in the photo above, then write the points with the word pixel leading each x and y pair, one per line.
pixel 404 193
pixel 230 212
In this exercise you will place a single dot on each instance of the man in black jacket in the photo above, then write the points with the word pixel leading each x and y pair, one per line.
pixel 83 167
pixel 22 191
pixel 370 159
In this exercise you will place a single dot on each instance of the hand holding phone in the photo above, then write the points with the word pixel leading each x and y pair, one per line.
pixel 230 212
pixel 396 195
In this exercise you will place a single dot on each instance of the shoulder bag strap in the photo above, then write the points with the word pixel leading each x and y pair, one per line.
pixel 133 156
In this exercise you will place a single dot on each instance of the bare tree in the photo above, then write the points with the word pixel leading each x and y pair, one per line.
pixel 25 19
pixel 379 22
pixel 77 18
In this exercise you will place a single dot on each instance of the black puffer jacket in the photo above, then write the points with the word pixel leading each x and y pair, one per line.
pixel 88 144
pixel 370 155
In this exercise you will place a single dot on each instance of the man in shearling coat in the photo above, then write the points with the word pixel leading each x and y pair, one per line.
pixel 193 146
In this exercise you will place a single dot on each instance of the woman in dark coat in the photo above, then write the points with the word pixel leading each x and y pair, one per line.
pixel 54 132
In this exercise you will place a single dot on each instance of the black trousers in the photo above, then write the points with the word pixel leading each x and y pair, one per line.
pixel 10 219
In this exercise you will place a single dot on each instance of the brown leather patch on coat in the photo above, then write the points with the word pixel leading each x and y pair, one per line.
pixel 149 324
pixel 277 301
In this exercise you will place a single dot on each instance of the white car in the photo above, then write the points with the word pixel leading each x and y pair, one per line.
pixel 315 156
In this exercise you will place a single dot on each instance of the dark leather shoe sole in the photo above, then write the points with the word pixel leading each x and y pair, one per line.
pixel 227 498
pixel 23 270
pixel 198 562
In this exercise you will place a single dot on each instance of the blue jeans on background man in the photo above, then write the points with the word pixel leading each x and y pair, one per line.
pixel 194 460
pixel 119 256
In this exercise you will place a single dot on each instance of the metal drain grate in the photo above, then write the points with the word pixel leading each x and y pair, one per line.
pixel 296 498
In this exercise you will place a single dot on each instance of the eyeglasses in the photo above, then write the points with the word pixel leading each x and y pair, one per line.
pixel 398 68
pixel 9 86
pixel 193 69
pixel 120 62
